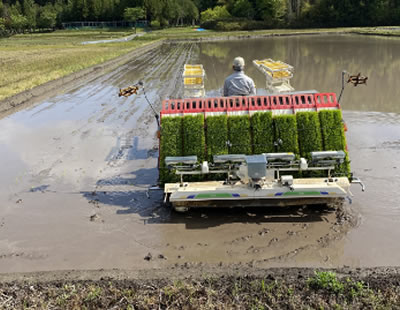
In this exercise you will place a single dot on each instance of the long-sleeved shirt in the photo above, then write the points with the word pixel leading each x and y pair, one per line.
pixel 239 84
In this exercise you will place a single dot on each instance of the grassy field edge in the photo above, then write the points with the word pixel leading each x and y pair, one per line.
pixel 194 287
pixel 61 83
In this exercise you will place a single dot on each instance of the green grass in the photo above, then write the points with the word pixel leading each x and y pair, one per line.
pixel 30 60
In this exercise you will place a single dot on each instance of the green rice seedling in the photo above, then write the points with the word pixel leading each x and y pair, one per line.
pixel 239 134
pixel 216 140
pixel 332 130
pixel 193 136
pixel 171 145
pixel 217 135
pixel 194 139
pixel 333 137
pixel 286 133
pixel 310 139
pixel 309 132
pixel 263 132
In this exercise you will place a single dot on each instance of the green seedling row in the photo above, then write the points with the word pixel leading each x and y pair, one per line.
pixel 216 140
pixel 309 133
pixel 310 138
pixel 194 142
pixel 239 134
pixel 170 145
pixel 286 138
pixel 333 137
pixel 217 135
pixel 263 132
pixel 193 136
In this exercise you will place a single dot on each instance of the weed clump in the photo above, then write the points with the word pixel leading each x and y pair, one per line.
pixel 326 280
pixel 349 290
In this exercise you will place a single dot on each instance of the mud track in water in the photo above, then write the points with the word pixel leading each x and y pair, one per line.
pixel 76 173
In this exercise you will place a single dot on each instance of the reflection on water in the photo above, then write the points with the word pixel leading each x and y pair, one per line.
pixel 318 63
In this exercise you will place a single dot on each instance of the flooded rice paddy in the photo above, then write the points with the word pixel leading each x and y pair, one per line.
pixel 76 168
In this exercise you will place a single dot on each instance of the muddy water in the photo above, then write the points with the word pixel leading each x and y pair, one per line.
pixel 76 169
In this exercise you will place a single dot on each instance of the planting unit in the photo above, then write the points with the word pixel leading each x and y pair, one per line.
pixel 273 150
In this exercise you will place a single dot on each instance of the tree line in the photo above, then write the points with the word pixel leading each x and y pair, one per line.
pixel 28 15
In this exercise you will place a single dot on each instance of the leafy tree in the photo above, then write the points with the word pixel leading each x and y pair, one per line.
pixel 133 14
pixel 243 8
pixel 191 11
pixel 270 11
pixel 47 17
pixel 29 9
pixel 3 28
pixel 203 5
pixel 18 22
pixel 153 9
pixel 219 12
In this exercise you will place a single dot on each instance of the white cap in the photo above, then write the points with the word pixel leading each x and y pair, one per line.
pixel 238 63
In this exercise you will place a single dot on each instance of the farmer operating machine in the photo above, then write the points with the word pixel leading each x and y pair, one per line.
pixel 286 148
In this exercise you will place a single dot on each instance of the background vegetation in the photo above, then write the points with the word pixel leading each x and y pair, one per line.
pixel 27 15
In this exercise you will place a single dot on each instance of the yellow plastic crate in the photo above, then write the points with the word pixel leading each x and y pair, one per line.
pixel 193 81
pixel 280 74
pixel 197 72
pixel 200 67
pixel 273 65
